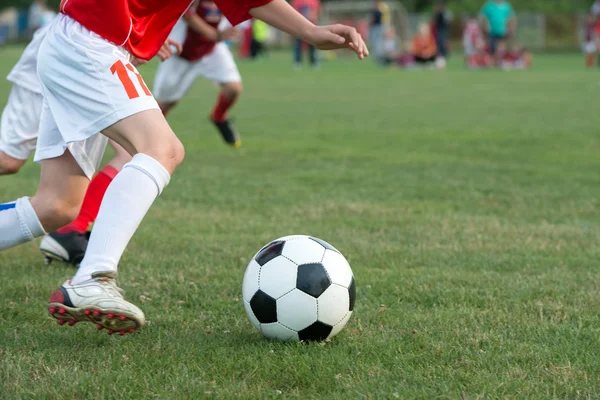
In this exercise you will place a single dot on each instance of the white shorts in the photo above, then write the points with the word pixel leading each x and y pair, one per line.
pixel 88 84
pixel 590 47
pixel 20 123
pixel 175 77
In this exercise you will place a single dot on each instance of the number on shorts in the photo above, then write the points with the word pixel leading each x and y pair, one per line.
pixel 122 72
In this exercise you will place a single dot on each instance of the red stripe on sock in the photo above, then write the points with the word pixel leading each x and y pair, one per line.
pixel 91 202
pixel 223 105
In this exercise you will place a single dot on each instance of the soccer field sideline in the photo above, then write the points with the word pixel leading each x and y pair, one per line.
pixel 465 202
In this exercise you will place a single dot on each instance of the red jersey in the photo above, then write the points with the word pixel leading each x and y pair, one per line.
pixel 142 26
pixel 195 45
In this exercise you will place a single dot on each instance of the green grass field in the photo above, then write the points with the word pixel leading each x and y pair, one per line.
pixel 466 202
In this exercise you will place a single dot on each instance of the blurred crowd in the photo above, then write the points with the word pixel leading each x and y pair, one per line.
pixel 489 39
pixel 591 44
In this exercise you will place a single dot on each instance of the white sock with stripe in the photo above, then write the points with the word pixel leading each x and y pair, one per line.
pixel 125 203
pixel 18 223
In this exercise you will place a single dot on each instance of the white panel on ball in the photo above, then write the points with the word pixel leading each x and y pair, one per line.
pixel 250 284
pixel 279 332
pixel 303 251
pixel 297 310
pixel 337 267
pixel 278 277
pixel 340 325
pixel 291 237
pixel 333 304
pixel 251 316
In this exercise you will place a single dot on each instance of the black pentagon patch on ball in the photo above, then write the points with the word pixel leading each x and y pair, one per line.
pixel 317 331
pixel 312 279
pixel 269 252
pixel 324 244
pixel 352 292
pixel 264 307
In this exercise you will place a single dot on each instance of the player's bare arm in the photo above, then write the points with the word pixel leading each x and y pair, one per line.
pixel 281 15
pixel 203 28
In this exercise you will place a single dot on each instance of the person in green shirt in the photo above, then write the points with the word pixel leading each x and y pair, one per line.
pixel 499 21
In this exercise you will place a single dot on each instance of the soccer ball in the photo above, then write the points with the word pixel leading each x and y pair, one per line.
pixel 299 288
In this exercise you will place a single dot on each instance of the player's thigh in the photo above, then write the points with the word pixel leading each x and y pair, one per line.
pixel 19 125
pixel 219 66
pixel 90 87
pixel 174 78
pixel 149 133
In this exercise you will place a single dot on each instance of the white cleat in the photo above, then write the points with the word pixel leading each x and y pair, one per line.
pixel 99 301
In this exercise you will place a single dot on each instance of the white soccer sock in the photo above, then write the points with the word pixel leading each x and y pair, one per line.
pixel 18 223
pixel 125 203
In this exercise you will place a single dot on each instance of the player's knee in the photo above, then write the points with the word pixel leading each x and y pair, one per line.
pixel 9 169
pixel 9 165
pixel 169 153
pixel 233 89
pixel 177 152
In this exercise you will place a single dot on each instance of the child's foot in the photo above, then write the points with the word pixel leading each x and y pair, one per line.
pixel 229 134
pixel 99 301
pixel 66 247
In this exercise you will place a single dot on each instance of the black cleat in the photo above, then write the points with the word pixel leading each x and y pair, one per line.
pixel 66 247
pixel 229 134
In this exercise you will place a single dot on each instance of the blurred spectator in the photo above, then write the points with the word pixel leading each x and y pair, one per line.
pixel 260 33
pixel 499 21
pixel 36 11
pixel 441 27
pixel 424 48
pixel 48 16
pixel 311 10
pixel 476 55
pixel 596 9
pixel 590 40
pixel 516 58
pixel 390 46
pixel 380 19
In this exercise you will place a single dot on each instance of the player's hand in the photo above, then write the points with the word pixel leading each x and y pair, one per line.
pixel 138 61
pixel 168 49
pixel 338 36
pixel 228 34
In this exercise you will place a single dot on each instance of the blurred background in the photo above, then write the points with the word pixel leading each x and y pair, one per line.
pixel 549 25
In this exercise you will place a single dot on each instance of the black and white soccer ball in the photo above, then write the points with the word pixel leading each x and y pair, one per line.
pixel 299 288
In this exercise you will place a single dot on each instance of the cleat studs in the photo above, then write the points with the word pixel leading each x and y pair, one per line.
pixel 100 327
pixel 131 330
pixel 87 312
pixel 110 315
pixel 51 309
pixel 122 317
pixel 96 313
pixel 122 333
pixel 110 332
pixel 72 322
pixel 62 311
pixel 61 322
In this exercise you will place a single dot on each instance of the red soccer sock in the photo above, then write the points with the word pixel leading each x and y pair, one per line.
pixel 91 202
pixel 223 105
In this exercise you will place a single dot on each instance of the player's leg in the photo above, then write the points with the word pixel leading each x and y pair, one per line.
pixel 219 66
pixel 19 129
pixel 61 190
pixel 312 51
pixel 297 53
pixel 10 165
pixel 87 92
pixel 173 80
pixel 69 243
